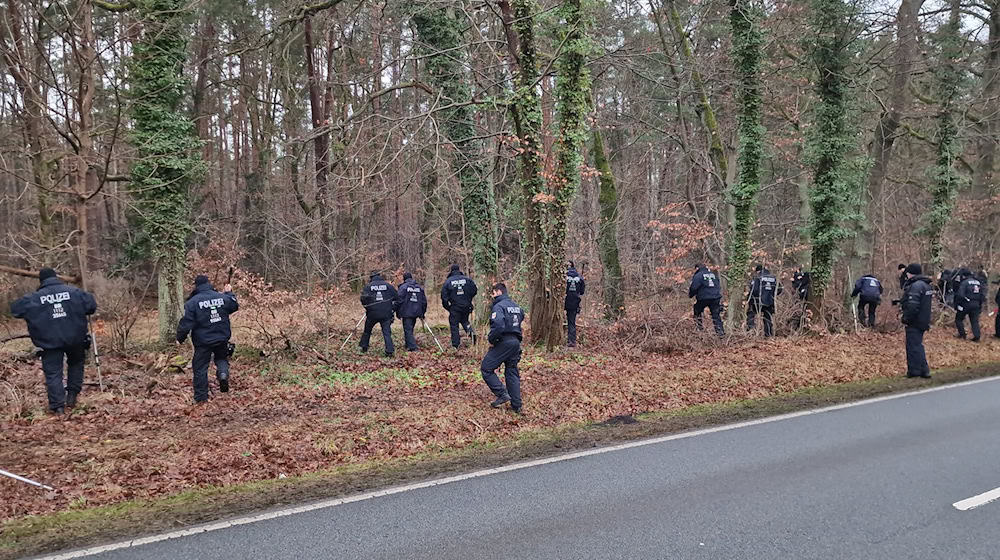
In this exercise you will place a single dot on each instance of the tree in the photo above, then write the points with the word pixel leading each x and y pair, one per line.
pixel 166 161
pixel 614 289
pixel 748 40
pixel 832 140
pixel 948 81
pixel 441 31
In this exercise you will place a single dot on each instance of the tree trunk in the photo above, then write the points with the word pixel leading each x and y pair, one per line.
pixel 748 44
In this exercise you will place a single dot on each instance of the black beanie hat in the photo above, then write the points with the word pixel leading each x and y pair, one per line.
pixel 758 268
pixel 407 276
pixel 455 268
pixel 200 279
pixel 46 273
pixel 914 269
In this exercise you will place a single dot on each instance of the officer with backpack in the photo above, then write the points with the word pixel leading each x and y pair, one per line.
pixel 969 300
pixel 457 295
pixel 707 293
pixel 870 290
pixel 206 319
pixel 575 288
pixel 505 349
pixel 379 299
pixel 763 292
pixel 412 306
pixel 56 315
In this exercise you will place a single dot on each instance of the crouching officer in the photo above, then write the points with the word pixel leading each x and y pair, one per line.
pixel 917 297
pixel 380 301
pixel 456 297
pixel 870 290
pixel 575 288
pixel 707 292
pixel 57 323
pixel 505 340
pixel 802 283
pixel 763 290
pixel 206 319
pixel 969 300
pixel 412 306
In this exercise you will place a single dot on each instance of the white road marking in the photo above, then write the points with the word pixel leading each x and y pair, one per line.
pixel 218 525
pixel 976 501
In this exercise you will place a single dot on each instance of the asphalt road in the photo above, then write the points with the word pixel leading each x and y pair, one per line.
pixel 877 480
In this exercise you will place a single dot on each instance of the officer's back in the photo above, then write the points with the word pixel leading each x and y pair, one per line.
pixel 971 293
pixel 869 288
pixel 505 320
pixel 764 288
pixel 412 299
pixel 575 288
pixel 458 291
pixel 705 285
pixel 379 298
pixel 206 315
pixel 56 314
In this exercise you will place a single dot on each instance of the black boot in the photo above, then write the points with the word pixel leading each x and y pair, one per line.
pixel 501 400
pixel 71 399
pixel 223 382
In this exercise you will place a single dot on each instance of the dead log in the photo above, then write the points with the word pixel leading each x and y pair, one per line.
pixel 34 274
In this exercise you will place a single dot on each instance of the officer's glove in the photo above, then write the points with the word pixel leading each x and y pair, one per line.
pixel 38 353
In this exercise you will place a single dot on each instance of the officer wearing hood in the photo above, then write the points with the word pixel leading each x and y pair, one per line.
pixel 707 293
pixel 969 300
pixel 380 301
pixel 457 295
pixel 918 294
pixel 206 319
pixel 575 288
pixel 412 306
pixel 57 323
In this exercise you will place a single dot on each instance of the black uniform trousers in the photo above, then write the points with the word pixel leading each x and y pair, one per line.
pixel 571 315
pixel 767 311
pixel 458 318
pixel 203 356
pixel 386 334
pixel 507 352
pixel 52 367
pixel 916 357
pixel 714 307
pixel 408 325
pixel 973 314
pixel 872 305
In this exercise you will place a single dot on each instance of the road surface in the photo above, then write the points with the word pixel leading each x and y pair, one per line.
pixel 880 479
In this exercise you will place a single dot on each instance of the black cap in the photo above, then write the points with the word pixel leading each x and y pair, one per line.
pixel 455 268
pixel 914 268
pixel 698 266
pixel 200 279
pixel 407 276
pixel 758 268
pixel 46 273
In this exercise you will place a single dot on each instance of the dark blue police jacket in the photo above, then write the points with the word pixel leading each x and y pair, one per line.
pixel 505 320
pixel 206 316
pixel 412 300
pixel 56 314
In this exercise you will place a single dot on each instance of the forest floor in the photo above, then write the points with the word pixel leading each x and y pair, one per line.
pixel 363 420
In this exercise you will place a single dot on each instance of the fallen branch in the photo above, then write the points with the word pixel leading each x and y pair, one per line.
pixel 15 337
pixel 34 274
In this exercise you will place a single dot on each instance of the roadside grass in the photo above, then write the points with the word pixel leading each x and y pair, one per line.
pixel 84 526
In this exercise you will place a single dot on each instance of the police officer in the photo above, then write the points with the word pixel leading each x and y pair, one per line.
pixel 801 282
pixel 707 293
pixel 763 290
pixel 902 275
pixel 916 304
pixel 456 297
pixel 206 319
pixel 969 300
pixel 380 301
pixel 57 323
pixel 870 290
pixel 505 348
pixel 412 306
pixel 575 288
pixel 996 326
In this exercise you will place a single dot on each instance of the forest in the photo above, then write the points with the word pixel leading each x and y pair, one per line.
pixel 303 144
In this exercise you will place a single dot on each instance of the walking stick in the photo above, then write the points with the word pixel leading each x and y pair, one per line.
pixel 25 480
pixel 346 340
pixel 97 356
pixel 432 335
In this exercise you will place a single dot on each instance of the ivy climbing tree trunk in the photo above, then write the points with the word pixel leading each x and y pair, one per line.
pixel 166 160
pixel 748 41
pixel 441 32
pixel 831 141
pixel 948 81
pixel 614 288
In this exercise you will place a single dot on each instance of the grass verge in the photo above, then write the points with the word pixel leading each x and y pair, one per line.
pixel 84 527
